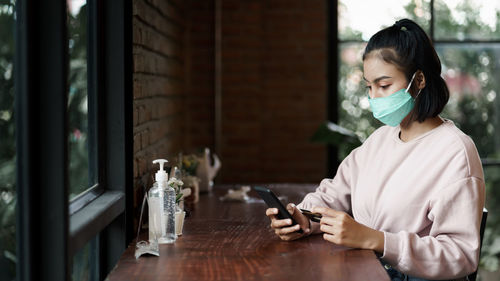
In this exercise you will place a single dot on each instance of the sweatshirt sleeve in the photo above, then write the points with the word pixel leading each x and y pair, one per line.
pixel 451 249
pixel 333 193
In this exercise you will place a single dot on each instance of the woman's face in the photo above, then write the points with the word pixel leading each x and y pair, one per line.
pixel 382 79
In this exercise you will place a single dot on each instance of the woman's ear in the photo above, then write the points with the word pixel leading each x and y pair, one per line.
pixel 420 80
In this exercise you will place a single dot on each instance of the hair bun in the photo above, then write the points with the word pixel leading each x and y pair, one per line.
pixel 400 26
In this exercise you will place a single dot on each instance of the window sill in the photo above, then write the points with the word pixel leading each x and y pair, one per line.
pixel 93 218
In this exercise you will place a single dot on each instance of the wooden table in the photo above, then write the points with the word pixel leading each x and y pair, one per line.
pixel 233 241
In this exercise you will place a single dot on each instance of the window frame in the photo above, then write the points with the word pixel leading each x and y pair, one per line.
pixel 94 89
pixel 332 72
pixel 49 232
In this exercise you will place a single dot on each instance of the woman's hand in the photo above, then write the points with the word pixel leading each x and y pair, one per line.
pixel 342 229
pixel 283 228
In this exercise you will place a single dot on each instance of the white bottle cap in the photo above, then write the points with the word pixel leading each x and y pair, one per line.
pixel 161 175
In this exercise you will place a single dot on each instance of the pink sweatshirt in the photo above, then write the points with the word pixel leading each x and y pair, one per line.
pixel 426 195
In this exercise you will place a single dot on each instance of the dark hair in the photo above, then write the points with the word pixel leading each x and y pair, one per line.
pixel 406 45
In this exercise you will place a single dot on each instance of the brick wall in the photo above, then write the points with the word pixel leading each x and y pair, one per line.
pixel 159 85
pixel 273 80
pixel 200 48
pixel 273 90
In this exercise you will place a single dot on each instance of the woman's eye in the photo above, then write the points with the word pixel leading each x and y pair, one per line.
pixel 368 87
pixel 385 86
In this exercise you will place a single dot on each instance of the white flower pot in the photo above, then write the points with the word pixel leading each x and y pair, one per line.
pixel 179 221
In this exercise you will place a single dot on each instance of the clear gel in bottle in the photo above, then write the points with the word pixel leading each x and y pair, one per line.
pixel 169 214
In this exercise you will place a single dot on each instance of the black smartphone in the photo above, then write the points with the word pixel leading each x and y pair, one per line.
pixel 272 201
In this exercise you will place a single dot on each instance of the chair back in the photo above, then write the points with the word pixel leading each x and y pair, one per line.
pixel 473 276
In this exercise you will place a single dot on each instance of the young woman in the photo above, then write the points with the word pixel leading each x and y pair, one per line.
pixel 414 191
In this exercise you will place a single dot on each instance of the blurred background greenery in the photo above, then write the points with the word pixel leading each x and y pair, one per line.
pixel 78 98
pixel 7 144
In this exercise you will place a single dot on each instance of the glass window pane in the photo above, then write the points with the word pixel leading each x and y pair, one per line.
pixel 84 262
pixel 466 19
pixel 77 99
pixel 80 270
pixel 471 72
pixel 360 19
pixel 7 143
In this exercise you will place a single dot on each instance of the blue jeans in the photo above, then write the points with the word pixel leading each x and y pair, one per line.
pixel 398 276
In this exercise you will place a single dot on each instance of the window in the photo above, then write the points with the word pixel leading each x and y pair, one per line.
pixel 78 136
pixel 7 144
pixel 466 35
pixel 78 150
pixel 73 106
pixel 465 20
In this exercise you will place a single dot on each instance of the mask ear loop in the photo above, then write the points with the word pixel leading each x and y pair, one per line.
pixel 411 80
pixel 409 85
pixel 420 90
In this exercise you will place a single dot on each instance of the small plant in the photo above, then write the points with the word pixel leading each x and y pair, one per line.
pixel 333 134
pixel 188 164
pixel 176 184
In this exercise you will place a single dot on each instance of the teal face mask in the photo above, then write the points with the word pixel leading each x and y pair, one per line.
pixel 391 110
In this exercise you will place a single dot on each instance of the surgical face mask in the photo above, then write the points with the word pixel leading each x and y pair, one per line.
pixel 391 110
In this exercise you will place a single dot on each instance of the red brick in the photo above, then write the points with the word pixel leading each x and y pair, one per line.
pixel 137 143
pixel 136 116
pixel 147 12
pixel 144 139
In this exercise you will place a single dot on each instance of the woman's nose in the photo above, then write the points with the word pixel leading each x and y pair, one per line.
pixel 375 94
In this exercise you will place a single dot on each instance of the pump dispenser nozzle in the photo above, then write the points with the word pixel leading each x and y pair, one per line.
pixel 161 175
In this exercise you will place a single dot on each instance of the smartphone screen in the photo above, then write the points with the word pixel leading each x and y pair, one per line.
pixel 272 201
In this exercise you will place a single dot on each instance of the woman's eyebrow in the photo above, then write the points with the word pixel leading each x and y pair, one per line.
pixel 377 79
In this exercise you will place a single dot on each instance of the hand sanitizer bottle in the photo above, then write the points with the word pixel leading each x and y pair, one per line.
pixel 168 205
pixel 156 205
pixel 169 213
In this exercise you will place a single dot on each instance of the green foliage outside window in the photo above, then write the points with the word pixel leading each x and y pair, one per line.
pixel 7 144
pixel 77 102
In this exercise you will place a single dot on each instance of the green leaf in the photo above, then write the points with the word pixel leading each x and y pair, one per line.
pixel 331 133
pixel 178 197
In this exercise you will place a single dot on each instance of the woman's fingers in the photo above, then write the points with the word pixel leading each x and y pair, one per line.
pixel 281 223
pixel 271 212
pixel 281 226
pixel 327 228
pixel 287 230
pixel 297 215
pixel 333 217
pixel 329 220
pixel 330 238
pixel 284 228
pixel 327 212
